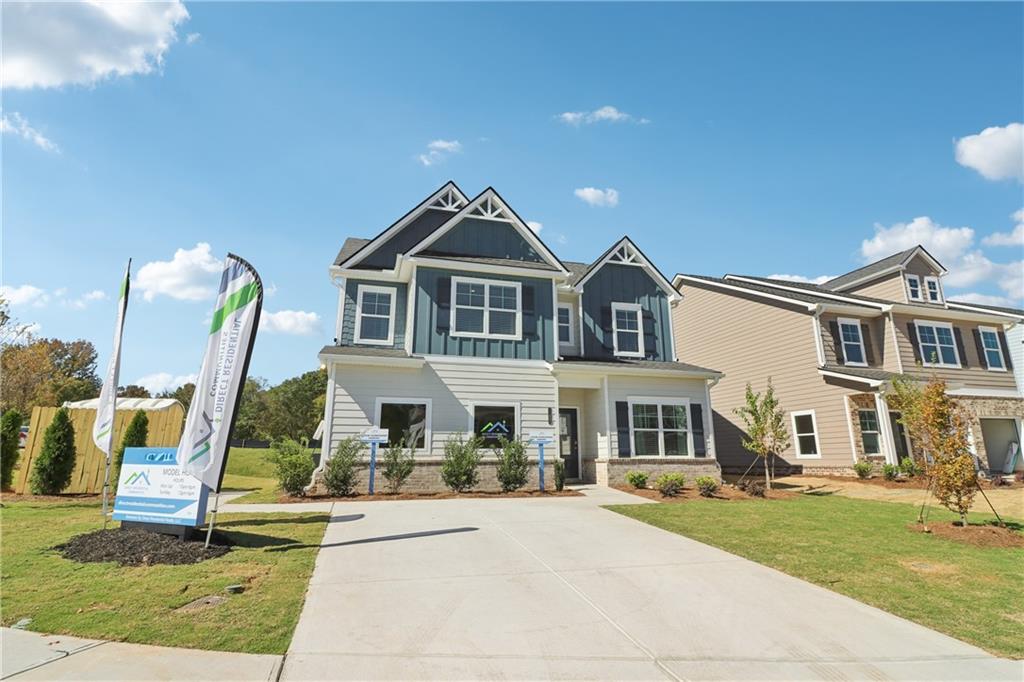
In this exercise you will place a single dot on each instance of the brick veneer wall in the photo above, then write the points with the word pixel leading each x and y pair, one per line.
pixel 426 477
pixel 613 471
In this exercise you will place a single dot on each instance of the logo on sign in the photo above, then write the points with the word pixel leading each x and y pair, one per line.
pixel 494 429
pixel 138 478
pixel 158 457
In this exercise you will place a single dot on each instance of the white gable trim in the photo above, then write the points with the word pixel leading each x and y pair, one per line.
pixel 899 267
pixel 489 206
pixel 445 199
pixel 625 252
pixel 798 290
pixel 679 279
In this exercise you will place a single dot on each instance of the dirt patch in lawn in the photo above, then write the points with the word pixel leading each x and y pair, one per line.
pixel 725 492
pixel 979 535
pixel 9 496
pixel 134 547
pixel 925 567
pixel 916 483
pixel 383 496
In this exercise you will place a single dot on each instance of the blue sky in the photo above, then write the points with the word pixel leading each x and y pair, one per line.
pixel 799 139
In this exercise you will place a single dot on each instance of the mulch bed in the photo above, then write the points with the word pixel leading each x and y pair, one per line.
pixel 725 492
pixel 382 495
pixel 135 547
pixel 916 483
pixel 978 535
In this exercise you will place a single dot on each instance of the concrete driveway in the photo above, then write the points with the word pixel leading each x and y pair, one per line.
pixel 562 589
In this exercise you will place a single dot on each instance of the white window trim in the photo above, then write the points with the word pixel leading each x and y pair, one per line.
pixel 485 334
pixel 471 428
pixel 572 331
pixel 877 433
pixel 938 290
pixel 920 344
pixel 630 307
pixel 372 288
pixel 860 340
pixel 429 402
pixel 920 288
pixel 796 434
pixel 998 349
pixel 659 401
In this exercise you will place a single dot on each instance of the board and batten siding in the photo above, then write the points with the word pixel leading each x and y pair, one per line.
pixel 452 387
pixel 615 283
pixel 383 257
pixel 432 315
pixel 751 340
pixel 487 238
pixel 348 320
pixel 574 347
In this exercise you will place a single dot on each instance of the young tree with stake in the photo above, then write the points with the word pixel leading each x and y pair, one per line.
pixel 765 426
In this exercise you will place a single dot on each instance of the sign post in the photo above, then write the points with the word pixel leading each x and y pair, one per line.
pixel 154 492
pixel 374 436
pixel 541 439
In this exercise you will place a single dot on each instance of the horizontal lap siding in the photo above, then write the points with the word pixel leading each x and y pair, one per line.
pixel 973 376
pixel 888 288
pixel 876 328
pixel 622 388
pixel 750 341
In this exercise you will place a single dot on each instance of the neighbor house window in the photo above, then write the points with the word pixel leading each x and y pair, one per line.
pixel 492 422
pixel 805 431
pixel 406 419
pixel 627 330
pixel 853 342
pixel 375 315
pixel 565 333
pixel 486 308
pixel 659 427
pixel 869 434
pixel 990 346
pixel 935 340
pixel 914 288
pixel 931 286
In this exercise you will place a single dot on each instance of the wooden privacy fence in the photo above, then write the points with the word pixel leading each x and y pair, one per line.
pixel 165 427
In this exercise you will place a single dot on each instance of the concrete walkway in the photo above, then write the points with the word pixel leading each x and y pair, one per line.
pixel 32 656
pixel 562 589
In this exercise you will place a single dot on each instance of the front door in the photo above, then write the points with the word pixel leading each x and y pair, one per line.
pixel 899 436
pixel 569 441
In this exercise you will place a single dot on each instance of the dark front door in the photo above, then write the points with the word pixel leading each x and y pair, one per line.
pixel 899 435
pixel 569 442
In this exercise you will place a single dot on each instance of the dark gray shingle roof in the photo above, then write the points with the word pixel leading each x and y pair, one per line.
pixel 861 372
pixel 351 245
pixel 807 297
pixel 642 364
pixel 995 308
pixel 535 265
pixel 868 270
pixel 364 351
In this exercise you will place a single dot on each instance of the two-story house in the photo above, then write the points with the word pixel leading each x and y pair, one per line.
pixel 458 319
pixel 830 351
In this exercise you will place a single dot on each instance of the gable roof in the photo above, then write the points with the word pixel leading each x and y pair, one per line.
pixel 764 291
pixel 625 252
pixel 1000 310
pixel 881 267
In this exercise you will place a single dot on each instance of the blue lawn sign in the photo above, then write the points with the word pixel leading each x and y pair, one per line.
pixel 374 436
pixel 152 488
pixel 540 439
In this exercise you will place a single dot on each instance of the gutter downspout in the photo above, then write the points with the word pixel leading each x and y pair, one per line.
pixel 819 346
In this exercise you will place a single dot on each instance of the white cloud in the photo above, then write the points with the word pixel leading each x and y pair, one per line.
pixel 606 114
pixel 296 322
pixel 85 299
pixel 32 329
pixel 806 280
pixel 598 197
pixel 191 275
pixel 1014 238
pixel 16 124
pixel 439 150
pixel 984 299
pixel 25 295
pixel 52 44
pixel 192 38
pixel 997 152
pixel 164 381
pixel 535 226
pixel 945 243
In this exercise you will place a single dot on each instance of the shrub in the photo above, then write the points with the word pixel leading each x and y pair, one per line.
pixel 135 436
pixel 513 465
pixel 339 475
pixel 397 465
pixel 909 467
pixel 559 475
pixel 461 461
pixel 10 427
pixel 670 484
pixel 755 488
pixel 637 479
pixel 707 486
pixel 862 468
pixel 889 471
pixel 294 465
pixel 56 460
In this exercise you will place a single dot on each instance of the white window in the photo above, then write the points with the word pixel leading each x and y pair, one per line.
pixel 628 330
pixel 805 432
pixel 852 341
pixel 486 308
pixel 375 315
pixel 406 419
pixel 914 288
pixel 937 345
pixel 992 349
pixel 931 285
pixel 869 433
pixel 659 427
pixel 494 421
pixel 565 331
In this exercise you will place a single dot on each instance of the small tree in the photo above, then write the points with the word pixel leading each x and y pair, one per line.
pixel 765 426
pixel 10 432
pixel 294 464
pixel 513 465
pixel 398 463
pixel 135 436
pixel 461 461
pixel 341 469
pixel 56 461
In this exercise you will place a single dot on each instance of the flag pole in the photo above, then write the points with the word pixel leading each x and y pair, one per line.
pixel 213 519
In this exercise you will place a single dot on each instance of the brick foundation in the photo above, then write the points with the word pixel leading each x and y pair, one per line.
pixel 613 471
pixel 426 477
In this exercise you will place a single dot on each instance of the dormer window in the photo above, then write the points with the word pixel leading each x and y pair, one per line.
pixel 627 330
pixel 914 288
pixel 932 290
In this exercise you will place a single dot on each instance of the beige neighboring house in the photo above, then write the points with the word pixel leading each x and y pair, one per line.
pixel 832 349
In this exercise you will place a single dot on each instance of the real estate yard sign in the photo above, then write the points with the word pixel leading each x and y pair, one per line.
pixel 154 489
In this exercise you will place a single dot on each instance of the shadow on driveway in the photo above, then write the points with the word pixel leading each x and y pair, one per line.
pixel 384 538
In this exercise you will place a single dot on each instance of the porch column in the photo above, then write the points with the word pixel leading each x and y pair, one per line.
pixel 885 428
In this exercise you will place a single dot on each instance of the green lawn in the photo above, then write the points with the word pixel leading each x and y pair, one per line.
pixel 864 550
pixel 251 469
pixel 274 560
